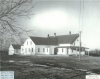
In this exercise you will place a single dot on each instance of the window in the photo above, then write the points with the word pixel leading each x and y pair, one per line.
pixel 32 49
pixel 27 42
pixel 47 49
pixel 29 49
pixel 62 50
pixel 43 49
pixel 38 49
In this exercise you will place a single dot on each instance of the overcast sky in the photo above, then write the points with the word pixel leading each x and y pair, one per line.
pixel 63 16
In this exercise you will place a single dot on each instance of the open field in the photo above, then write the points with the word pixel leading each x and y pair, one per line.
pixel 51 67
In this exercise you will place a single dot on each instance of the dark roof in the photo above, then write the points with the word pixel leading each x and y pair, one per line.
pixel 68 39
pixel 44 41
pixel 15 46
pixel 62 39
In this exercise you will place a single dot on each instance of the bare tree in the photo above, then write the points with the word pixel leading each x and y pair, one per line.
pixel 10 13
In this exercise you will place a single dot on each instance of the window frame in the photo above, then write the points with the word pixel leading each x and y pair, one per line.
pixel 72 50
pixel 27 42
pixel 47 49
pixel 62 50
pixel 43 49
pixel 32 49
pixel 38 49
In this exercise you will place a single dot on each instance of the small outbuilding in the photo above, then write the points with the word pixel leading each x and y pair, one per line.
pixel 14 49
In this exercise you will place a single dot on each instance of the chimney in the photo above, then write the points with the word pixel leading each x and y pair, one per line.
pixel 69 32
pixel 48 35
pixel 54 34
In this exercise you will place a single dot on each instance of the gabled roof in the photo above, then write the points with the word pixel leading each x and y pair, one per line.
pixel 15 46
pixel 62 39
pixel 68 39
pixel 44 41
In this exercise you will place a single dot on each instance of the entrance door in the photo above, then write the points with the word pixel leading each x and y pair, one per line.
pixel 55 51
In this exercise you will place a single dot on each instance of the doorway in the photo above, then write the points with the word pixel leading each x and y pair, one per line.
pixel 55 51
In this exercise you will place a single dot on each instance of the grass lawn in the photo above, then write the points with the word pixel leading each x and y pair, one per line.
pixel 50 67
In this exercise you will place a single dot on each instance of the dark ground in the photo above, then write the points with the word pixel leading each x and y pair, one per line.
pixel 50 67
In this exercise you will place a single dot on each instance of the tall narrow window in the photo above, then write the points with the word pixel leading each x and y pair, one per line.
pixel 47 49
pixel 38 49
pixel 62 50
pixel 29 49
pixel 32 49
pixel 43 49
pixel 27 42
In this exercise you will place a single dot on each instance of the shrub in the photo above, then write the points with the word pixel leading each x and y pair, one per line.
pixel 95 52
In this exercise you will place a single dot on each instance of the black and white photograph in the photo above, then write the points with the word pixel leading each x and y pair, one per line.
pixel 49 39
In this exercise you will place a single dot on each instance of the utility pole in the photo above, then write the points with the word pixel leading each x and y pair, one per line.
pixel 88 52
pixel 80 45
